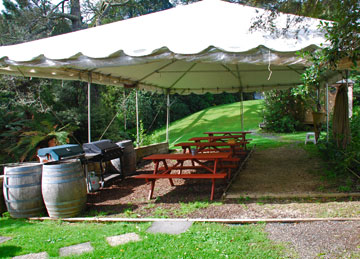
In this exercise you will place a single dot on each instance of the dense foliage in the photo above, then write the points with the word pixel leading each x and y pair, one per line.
pixel 35 111
pixel 283 111
pixel 344 164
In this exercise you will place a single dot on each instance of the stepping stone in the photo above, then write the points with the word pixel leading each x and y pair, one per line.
pixel 123 239
pixel 4 239
pixel 76 249
pixel 169 227
pixel 42 255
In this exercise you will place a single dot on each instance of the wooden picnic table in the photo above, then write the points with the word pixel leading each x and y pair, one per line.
pixel 235 148
pixel 224 133
pixel 228 133
pixel 223 139
pixel 198 161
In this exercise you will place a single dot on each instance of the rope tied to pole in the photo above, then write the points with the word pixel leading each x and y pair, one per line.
pixel 269 66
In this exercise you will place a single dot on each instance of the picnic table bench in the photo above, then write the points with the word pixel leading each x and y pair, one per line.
pixel 198 161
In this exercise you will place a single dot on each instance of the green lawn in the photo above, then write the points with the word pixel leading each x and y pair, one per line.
pixel 219 118
pixel 226 118
pixel 202 240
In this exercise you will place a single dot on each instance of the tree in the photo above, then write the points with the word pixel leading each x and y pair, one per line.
pixel 106 11
pixel 25 20
pixel 342 28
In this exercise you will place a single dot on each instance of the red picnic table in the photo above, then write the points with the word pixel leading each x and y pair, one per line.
pixel 235 148
pixel 228 133
pixel 198 162
pixel 223 139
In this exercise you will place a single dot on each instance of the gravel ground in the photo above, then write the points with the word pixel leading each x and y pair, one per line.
pixel 318 239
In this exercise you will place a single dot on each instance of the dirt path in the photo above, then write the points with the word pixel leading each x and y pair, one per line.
pixel 287 171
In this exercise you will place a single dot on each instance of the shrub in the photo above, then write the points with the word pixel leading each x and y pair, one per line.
pixel 343 164
pixel 283 111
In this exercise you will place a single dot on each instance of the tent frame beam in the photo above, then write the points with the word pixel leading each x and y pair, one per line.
pixel 182 76
pixel 228 70
pixel 157 70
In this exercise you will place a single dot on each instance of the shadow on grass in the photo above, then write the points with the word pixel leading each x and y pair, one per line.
pixel 9 251
pixel 7 222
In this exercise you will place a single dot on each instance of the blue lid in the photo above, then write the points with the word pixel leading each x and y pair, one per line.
pixel 62 151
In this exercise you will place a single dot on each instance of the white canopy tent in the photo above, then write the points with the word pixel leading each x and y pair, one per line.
pixel 202 47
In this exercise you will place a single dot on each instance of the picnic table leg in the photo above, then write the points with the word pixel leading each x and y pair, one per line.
pixel 215 165
pixel 167 168
pixel 229 173
pixel 244 139
pixel 212 189
pixel 151 192
pixel 181 165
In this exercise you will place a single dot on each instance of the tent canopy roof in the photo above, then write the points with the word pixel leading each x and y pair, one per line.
pixel 201 47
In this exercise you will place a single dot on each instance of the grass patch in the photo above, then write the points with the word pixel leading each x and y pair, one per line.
pixel 202 240
pixel 50 236
pixel 227 118
pixel 219 118
pixel 188 208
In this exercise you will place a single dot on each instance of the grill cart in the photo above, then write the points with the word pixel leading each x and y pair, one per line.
pixel 103 151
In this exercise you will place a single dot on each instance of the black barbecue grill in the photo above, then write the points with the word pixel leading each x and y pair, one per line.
pixel 93 152
pixel 103 151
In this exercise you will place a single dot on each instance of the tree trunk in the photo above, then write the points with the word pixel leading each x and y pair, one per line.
pixel 76 12
pixel 318 119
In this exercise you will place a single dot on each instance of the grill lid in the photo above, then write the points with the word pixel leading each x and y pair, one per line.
pixel 102 150
pixel 60 152
pixel 100 147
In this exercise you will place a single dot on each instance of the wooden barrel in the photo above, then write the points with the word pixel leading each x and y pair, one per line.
pixel 22 190
pixel 2 201
pixel 128 159
pixel 64 188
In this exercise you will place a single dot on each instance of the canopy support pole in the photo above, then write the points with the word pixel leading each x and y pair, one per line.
pixel 89 108
pixel 167 116
pixel 137 119
pixel 327 112
pixel 241 97
pixel 242 110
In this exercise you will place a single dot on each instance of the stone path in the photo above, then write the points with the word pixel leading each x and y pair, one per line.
pixel 156 227
pixel 42 255
pixel 169 227
pixel 76 249
pixel 123 239
pixel 4 239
